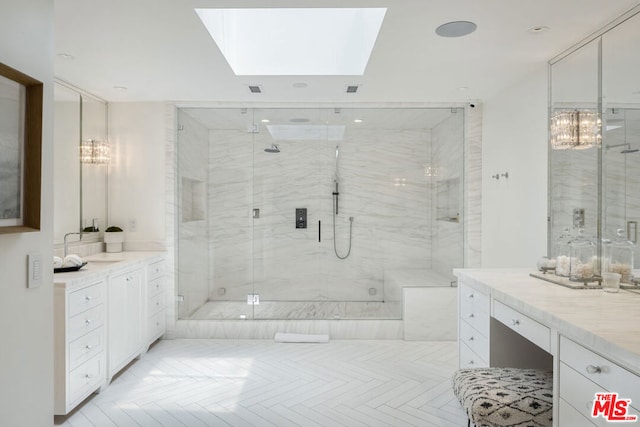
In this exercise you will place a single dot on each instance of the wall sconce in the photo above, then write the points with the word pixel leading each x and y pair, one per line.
pixel 575 129
pixel 96 152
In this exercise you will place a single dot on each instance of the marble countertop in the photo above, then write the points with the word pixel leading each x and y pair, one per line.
pixel 101 264
pixel 608 323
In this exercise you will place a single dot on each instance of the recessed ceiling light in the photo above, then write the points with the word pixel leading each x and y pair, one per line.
pixel 456 29
pixel 539 29
pixel 122 88
pixel 276 41
pixel 66 56
pixel 265 120
pixel 357 120
pixel 463 88
pixel 300 85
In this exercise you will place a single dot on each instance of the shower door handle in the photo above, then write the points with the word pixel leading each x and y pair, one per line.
pixel 319 231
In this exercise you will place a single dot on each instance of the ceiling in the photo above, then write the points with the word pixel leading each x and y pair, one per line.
pixel 159 50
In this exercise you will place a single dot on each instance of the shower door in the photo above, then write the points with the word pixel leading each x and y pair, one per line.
pixel 289 165
pixel 304 213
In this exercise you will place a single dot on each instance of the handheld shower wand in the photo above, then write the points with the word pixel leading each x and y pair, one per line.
pixel 335 196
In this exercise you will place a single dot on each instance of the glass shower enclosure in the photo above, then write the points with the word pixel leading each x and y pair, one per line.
pixel 305 213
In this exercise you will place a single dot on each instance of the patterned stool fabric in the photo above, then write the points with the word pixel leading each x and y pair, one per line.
pixel 502 397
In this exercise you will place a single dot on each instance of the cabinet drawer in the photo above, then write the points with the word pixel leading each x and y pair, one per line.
pixel 579 392
pixel 85 322
pixel 468 359
pixel 569 417
pixel 86 347
pixel 601 371
pixel 86 378
pixel 474 308
pixel 155 270
pixel 157 325
pixel 535 332
pixel 86 298
pixel 474 340
pixel 155 304
pixel 156 286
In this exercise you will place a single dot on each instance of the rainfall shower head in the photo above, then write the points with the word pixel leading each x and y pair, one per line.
pixel 273 149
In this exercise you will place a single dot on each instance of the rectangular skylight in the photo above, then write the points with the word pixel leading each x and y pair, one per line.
pixel 295 41
pixel 306 132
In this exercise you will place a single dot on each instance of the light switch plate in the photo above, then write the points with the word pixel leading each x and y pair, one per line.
pixel 34 270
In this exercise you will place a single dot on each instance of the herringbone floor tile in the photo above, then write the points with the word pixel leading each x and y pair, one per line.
pixel 199 383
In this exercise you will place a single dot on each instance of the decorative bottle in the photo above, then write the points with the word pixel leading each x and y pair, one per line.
pixel 619 257
pixel 582 262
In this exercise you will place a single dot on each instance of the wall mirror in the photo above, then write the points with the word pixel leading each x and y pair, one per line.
pixel 592 179
pixel 80 196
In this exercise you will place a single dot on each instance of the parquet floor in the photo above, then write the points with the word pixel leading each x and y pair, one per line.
pixel 198 383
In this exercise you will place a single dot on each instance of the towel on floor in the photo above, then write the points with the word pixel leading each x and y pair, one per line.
pixel 313 338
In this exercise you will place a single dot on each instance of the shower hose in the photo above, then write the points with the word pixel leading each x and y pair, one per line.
pixel 335 249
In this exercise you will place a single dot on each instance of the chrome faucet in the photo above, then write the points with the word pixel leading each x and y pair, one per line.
pixel 66 249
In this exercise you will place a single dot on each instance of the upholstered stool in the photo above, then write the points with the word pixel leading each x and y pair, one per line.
pixel 501 397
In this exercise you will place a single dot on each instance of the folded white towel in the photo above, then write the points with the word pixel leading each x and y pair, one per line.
pixel 57 262
pixel 311 338
pixel 72 260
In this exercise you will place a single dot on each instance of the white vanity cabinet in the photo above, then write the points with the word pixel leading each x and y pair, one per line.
pixel 125 316
pixel 588 337
pixel 473 332
pixel 106 315
pixel 80 342
pixel 583 373
pixel 156 301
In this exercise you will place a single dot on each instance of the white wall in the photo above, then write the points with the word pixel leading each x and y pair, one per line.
pixel 137 173
pixel 514 209
pixel 26 315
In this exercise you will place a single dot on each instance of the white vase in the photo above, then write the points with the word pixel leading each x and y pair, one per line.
pixel 113 240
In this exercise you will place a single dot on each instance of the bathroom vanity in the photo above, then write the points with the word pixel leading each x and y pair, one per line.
pixel 589 338
pixel 105 315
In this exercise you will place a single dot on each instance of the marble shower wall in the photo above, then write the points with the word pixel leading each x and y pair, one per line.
pixel 391 183
pixel 448 201
pixel 382 186
pixel 193 250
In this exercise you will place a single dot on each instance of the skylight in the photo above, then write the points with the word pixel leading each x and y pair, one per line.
pixel 295 41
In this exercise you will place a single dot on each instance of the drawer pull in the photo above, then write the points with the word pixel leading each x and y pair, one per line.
pixel 87 347
pixel 471 316
pixel 594 369
pixel 88 376
pixel 87 298
pixel 470 338
pixel 515 322
pixel 88 322
pixel 470 362
pixel 470 296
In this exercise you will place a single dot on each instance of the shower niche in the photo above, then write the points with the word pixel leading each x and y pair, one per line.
pixel 448 200
pixel 238 190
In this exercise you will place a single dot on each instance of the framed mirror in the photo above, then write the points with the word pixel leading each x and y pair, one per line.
pixel 20 151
